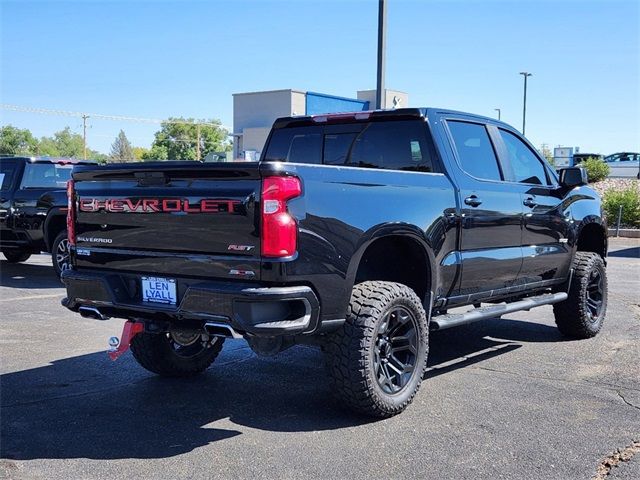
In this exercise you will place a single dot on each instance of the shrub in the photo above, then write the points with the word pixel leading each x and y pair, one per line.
pixel 629 198
pixel 597 170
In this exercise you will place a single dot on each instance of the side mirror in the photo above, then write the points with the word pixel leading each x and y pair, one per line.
pixel 573 177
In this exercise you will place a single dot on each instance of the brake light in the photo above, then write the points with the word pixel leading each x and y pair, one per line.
pixel 71 213
pixel 279 228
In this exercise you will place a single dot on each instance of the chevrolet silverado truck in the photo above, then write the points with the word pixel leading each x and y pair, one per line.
pixel 33 208
pixel 356 232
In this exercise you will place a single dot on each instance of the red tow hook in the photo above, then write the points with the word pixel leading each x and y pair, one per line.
pixel 118 347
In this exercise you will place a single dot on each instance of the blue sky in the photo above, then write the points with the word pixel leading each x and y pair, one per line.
pixel 185 58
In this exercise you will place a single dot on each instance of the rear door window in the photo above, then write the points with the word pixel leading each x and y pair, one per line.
pixel 475 150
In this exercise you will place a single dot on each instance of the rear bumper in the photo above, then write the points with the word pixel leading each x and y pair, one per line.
pixel 247 308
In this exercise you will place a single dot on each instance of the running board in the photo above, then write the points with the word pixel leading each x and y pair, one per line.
pixel 440 322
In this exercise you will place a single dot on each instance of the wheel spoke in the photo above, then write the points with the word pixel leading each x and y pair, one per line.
pixel 401 319
pixel 403 343
pixel 398 369
pixel 594 305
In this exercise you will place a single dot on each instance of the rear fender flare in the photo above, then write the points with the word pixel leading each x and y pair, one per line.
pixel 378 232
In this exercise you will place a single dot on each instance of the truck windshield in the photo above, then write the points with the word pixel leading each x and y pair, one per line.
pixel 393 145
pixel 46 175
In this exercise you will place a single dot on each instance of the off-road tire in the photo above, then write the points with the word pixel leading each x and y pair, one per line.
pixel 350 356
pixel 154 352
pixel 16 256
pixel 60 243
pixel 573 316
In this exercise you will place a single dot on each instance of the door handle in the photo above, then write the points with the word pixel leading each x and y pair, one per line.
pixel 530 202
pixel 473 201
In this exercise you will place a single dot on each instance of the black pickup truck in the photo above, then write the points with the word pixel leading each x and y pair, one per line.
pixel 33 208
pixel 356 232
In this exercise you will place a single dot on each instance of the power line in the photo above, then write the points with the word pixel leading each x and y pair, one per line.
pixel 119 118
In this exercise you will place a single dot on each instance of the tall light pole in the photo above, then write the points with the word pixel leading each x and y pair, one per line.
pixel 497 110
pixel 382 46
pixel 524 103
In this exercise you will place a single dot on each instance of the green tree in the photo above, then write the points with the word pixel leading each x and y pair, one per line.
pixel 179 137
pixel 121 150
pixel 97 156
pixel 157 152
pixel 546 153
pixel 139 152
pixel 64 143
pixel 17 141
pixel 596 169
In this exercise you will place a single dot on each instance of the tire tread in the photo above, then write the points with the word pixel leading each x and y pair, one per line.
pixel 153 352
pixel 571 315
pixel 347 349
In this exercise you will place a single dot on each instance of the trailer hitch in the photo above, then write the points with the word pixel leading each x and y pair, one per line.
pixel 118 346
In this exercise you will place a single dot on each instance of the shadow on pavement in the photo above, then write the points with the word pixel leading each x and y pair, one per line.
pixel 89 407
pixel 28 275
pixel 477 342
pixel 631 252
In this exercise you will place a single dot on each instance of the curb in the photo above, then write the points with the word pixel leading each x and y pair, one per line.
pixel 625 232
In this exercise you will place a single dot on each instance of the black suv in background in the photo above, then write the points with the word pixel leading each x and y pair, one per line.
pixel 33 208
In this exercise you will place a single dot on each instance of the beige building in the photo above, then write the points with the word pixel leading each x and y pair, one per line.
pixel 255 112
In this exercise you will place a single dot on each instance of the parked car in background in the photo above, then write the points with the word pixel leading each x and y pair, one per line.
pixel 624 164
pixel 581 157
pixel 33 208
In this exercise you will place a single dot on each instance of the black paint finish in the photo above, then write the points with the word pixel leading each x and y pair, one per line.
pixel 518 240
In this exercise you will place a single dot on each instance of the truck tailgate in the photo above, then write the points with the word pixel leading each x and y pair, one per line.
pixel 174 218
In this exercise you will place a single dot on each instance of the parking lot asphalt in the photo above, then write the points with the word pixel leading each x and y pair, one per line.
pixel 506 398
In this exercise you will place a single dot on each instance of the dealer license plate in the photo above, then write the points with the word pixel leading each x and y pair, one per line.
pixel 159 290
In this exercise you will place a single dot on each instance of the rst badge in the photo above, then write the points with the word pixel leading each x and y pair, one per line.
pixel 240 248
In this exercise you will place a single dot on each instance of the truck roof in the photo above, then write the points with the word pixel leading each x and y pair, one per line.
pixel 58 160
pixel 395 114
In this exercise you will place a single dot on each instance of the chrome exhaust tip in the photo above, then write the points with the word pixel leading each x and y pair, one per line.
pixel 92 312
pixel 221 330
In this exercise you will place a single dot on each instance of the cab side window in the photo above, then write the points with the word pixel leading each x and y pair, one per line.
pixel 526 166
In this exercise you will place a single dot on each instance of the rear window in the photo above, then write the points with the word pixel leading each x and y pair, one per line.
pixel 7 172
pixel 396 145
pixel 45 175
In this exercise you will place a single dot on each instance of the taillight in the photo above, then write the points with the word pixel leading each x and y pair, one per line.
pixel 71 213
pixel 279 228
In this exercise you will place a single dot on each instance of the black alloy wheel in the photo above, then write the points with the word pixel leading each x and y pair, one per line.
pixel 396 350
pixel 595 294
